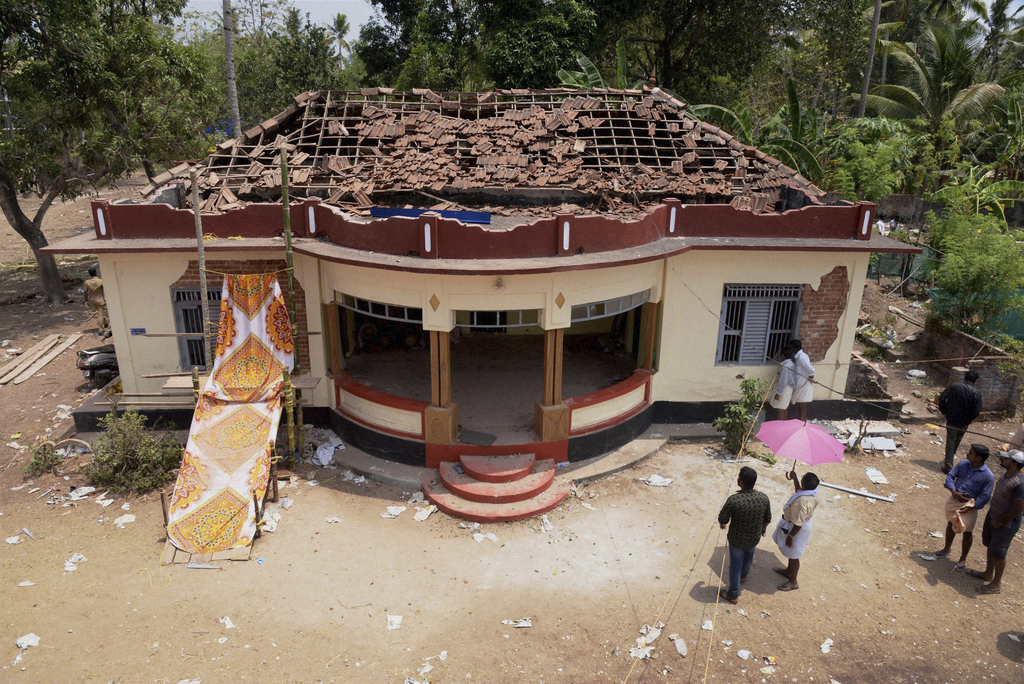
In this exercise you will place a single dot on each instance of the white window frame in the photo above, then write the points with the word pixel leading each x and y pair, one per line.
pixel 609 307
pixel 753 322
pixel 390 312
pixel 186 303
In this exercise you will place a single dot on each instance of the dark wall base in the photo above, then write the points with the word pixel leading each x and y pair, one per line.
pixel 833 409
pixel 388 447
pixel 87 416
pixel 611 438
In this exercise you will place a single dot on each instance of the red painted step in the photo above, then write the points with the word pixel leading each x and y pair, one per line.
pixel 435 492
pixel 498 468
pixel 466 487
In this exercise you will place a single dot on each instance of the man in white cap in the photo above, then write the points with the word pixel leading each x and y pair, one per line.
pixel 1002 522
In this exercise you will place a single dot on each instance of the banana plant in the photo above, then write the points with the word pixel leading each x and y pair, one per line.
pixel 591 77
pixel 976 188
pixel 789 143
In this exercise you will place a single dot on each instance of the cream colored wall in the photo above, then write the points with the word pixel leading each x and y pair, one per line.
pixel 486 293
pixel 689 333
pixel 138 292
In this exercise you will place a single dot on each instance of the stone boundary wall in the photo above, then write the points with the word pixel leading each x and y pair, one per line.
pixel 1000 386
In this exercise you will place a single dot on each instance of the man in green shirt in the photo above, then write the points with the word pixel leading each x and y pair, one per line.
pixel 747 513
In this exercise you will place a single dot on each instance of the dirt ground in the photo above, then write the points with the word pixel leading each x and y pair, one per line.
pixel 312 605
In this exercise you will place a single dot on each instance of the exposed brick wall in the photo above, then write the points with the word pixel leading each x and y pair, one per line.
pixel 999 385
pixel 866 380
pixel 822 309
pixel 190 278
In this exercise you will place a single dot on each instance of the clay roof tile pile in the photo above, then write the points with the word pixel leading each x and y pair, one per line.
pixel 623 148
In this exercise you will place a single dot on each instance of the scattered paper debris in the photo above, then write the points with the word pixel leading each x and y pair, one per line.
pixel 427 667
pixel 424 513
pixel 768 670
pixel 226 621
pixel 417 497
pixel 587 506
pixel 657 480
pixel 876 475
pixel 641 653
pixel 743 654
pixel 545 524
pixel 836 568
pixel 27 583
pixel 921 486
pixel 708 625
pixel 124 520
pixel 477 537
pixel 765 614
pixel 827 646
pixel 394 622
pixel 334 519
pixel 126 506
pixel 71 564
pixel 16 539
pixel 742 612
pixel 925 556
pixel 221 640
pixel 1013 637
pixel 520 623
pixel 27 641
pixel 79 493
pixel 937 535
pixel 393 512
pixel 680 644
pixel 650 633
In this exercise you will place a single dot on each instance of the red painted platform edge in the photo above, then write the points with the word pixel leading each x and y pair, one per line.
pixel 496 468
pixel 515 491
pixel 438 453
pixel 489 513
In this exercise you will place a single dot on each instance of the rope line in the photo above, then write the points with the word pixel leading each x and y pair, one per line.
pixel 210 270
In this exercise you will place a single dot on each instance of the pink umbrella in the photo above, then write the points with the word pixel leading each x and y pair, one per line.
pixel 801 441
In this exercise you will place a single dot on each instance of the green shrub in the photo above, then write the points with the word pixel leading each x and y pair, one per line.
pixel 131 458
pixel 45 459
pixel 739 418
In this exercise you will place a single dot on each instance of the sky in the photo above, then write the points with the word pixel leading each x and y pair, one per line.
pixel 320 11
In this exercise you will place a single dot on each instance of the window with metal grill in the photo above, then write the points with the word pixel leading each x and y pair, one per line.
pixel 757 321
pixel 188 319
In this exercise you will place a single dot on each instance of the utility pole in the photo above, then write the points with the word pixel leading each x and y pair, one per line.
pixel 229 57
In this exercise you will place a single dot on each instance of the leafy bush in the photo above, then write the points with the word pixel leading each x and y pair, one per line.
pixel 868 158
pixel 739 418
pixel 45 459
pixel 981 271
pixel 131 458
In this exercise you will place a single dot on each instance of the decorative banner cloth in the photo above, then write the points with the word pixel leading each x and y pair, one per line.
pixel 227 458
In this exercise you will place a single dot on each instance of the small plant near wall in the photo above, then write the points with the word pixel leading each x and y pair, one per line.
pixel 739 418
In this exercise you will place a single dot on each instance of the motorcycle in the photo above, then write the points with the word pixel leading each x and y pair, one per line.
pixel 98 365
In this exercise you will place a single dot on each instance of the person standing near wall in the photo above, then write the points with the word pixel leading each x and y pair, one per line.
pixel 784 386
pixel 94 297
pixel 960 403
pixel 803 390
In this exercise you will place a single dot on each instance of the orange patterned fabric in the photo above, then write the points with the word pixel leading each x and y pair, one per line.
pixel 279 330
pixel 227 460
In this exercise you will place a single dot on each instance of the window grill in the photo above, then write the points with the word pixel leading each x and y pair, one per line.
pixel 609 307
pixel 498 320
pixel 391 312
pixel 188 318
pixel 757 322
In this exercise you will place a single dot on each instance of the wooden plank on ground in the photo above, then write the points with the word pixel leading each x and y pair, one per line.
pixel 167 557
pixel 41 363
pixel 28 358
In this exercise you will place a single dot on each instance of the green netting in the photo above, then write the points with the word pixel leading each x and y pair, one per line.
pixel 1010 323
pixel 914 268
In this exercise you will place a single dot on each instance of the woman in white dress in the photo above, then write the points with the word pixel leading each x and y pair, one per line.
pixel 784 387
pixel 794 529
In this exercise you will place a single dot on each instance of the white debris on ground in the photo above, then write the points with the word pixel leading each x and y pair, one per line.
pixel 71 564
pixel 394 622
pixel 124 520
pixel 826 646
pixel 477 537
pixel 657 480
pixel 520 623
pixel 545 524
pixel 424 513
pixel 392 512
pixel 680 644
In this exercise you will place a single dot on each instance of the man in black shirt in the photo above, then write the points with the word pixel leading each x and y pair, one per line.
pixel 747 514
pixel 960 403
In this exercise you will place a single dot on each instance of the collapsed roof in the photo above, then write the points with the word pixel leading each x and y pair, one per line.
pixel 516 149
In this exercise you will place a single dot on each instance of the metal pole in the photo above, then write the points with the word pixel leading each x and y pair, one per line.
pixel 203 294
pixel 297 369
pixel 858 492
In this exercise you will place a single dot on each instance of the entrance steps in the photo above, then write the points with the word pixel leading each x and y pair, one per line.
pixel 494 488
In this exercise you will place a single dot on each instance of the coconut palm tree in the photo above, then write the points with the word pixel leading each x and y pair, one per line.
pixel 940 77
pixel 340 28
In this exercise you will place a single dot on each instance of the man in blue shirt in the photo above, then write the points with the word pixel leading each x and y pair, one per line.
pixel 971 483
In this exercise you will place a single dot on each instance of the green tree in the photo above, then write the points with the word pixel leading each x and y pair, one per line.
pixel 981 271
pixel 974 189
pixel 940 78
pixel 526 42
pixel 95 90
pixel 385 41
pixel 868 158
pixel 445 47
pixel 339 29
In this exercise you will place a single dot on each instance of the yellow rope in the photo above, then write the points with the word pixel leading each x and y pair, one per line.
pixel 161 568
pixel 704 525
pixel 210 270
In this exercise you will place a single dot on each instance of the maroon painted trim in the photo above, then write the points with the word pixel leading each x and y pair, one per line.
pixel 451 239
pixel 640 378
pixel 344 381
pixel 438 453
